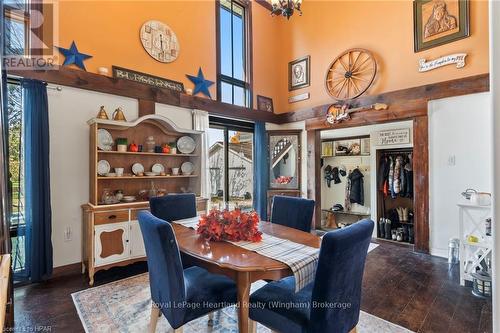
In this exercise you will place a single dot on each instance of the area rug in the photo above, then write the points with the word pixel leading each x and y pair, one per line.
pixel 125 305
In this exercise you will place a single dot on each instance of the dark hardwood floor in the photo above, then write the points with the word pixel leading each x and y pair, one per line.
pixel 414 290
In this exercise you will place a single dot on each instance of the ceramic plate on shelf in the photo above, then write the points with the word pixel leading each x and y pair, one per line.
pixel 187 168
pixel 158 168
pixel 110 174
pixel 137 168
pixel 186 145
pixel 103 167
pixel 128 198
pixel 104 140
pixel 150 174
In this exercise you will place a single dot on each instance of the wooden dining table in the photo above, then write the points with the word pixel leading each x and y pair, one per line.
pixel 241 265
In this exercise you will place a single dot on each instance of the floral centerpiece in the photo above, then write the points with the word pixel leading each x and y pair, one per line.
pixel 233 225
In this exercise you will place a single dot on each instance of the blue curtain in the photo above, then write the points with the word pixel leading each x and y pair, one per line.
pixel 260 170
pixel 37 181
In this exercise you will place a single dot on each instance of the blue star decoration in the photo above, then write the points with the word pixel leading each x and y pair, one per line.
pixel 72 56
pixel 200 84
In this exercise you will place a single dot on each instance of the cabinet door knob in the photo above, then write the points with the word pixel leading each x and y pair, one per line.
pixel 112 217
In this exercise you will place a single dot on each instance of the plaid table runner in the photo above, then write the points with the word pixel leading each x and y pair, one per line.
pixel 301 259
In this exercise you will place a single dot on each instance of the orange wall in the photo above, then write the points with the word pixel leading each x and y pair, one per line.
pixel 109 31
pixel 327 28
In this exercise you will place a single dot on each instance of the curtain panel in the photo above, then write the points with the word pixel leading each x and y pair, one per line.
pixel 260 170
pixel 37 181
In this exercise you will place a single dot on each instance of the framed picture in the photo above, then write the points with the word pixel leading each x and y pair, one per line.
pixel 265 103
pixel 437 22
pixel 299 73
pixel 347 147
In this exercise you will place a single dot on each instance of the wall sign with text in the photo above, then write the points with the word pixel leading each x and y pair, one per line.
pixel 394 137
pixel 155 81
pixel 458 59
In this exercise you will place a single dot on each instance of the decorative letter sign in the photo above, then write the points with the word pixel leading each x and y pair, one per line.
pixel 394 137
pixel 458 58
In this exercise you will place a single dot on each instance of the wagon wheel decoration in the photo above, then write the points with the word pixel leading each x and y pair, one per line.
pixel 351 74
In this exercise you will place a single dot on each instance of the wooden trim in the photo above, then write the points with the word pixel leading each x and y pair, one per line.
pixel 314 173
pixel 120 87
pixel 414 98
pixel 5 298
pixel 146 107
pixel 265 4
pixel 71 269
pixel 421 182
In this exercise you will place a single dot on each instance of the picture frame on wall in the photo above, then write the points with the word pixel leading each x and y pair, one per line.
pixel 438 22
pixel 299 73
pixel 265 103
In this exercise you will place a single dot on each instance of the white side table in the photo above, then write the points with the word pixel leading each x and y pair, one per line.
pixel 472 222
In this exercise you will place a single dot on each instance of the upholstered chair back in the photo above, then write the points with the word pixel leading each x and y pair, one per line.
pixel 174 207
pixel 336 295
pixel 292 212
pixel 166 276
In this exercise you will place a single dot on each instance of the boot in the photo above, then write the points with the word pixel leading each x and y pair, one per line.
pixel 400 213
pixel 381 228
pixel 388 229
pixel 411 237
pixel 405 214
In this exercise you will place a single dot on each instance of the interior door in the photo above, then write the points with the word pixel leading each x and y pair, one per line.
pixel 111 243
pixel 137 249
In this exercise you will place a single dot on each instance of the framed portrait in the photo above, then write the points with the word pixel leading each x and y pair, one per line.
pixel 299 73
pixel 264 103
pixel 437 22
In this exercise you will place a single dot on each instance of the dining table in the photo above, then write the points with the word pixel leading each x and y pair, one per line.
pixel 242 265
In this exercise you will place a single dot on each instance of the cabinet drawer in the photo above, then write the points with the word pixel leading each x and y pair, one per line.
pixel 111 217
pixel 134 212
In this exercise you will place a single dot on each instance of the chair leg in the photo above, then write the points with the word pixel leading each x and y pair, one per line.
pixel 178 330
pixel 155 313
pixel 252 326
pixel 211 319
pixel 354 330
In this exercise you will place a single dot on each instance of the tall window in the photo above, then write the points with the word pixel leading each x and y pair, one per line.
pixel 17 25
pixel 234 52
pixel 16 174
pixel 231 163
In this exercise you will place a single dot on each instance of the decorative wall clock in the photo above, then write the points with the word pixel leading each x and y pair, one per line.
pixel 159 41
pixel 350 74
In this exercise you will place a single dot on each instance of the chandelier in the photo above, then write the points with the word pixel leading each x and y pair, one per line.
pixel 285 7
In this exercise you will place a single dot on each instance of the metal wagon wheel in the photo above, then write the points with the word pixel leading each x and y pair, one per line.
pixel 351 74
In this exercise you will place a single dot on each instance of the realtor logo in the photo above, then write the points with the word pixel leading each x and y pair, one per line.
pixel 30 35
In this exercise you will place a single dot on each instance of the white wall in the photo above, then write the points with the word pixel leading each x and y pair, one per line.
pixel 69 111
pixel 459 129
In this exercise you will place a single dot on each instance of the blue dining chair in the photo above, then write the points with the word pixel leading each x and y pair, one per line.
pixel 329 304
pixel 180 294
pixel 174 207
pixel 292 212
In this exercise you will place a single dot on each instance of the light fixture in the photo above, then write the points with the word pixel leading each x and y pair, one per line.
pixel 286 7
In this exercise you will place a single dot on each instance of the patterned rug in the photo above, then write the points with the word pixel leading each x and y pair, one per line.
pixel 125 305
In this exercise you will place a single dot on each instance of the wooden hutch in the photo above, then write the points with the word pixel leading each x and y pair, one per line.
pixel 112 236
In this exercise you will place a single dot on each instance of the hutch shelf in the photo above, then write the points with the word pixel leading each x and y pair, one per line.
pixel 112 236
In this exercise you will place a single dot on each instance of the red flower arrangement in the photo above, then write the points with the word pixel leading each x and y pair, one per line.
pixel 228 225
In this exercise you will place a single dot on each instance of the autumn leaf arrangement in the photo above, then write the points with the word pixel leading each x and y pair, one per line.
pixel 230 225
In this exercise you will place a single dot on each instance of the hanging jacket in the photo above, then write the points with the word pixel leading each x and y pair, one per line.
pixel 347 202
pixel 409 176
pixel 357 194
pixel 397 175
pixel 391 176
pixel 403 178
pixel 383 172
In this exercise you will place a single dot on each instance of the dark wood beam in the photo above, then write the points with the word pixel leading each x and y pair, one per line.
pixel 314 173
pixel 264 4
pixel 410 98
pixel 104 84
pixel 146 106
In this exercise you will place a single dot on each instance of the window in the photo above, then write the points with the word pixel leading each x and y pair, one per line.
pixel 231 163
pixel 233 53
pixel 17 25
pixel 16 174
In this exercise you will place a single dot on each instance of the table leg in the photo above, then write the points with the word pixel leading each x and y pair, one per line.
pixel 243 285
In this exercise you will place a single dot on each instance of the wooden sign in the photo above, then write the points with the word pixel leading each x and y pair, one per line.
pixel 458 59
pixel 155 81
pixel 394 137
pixel 298 98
